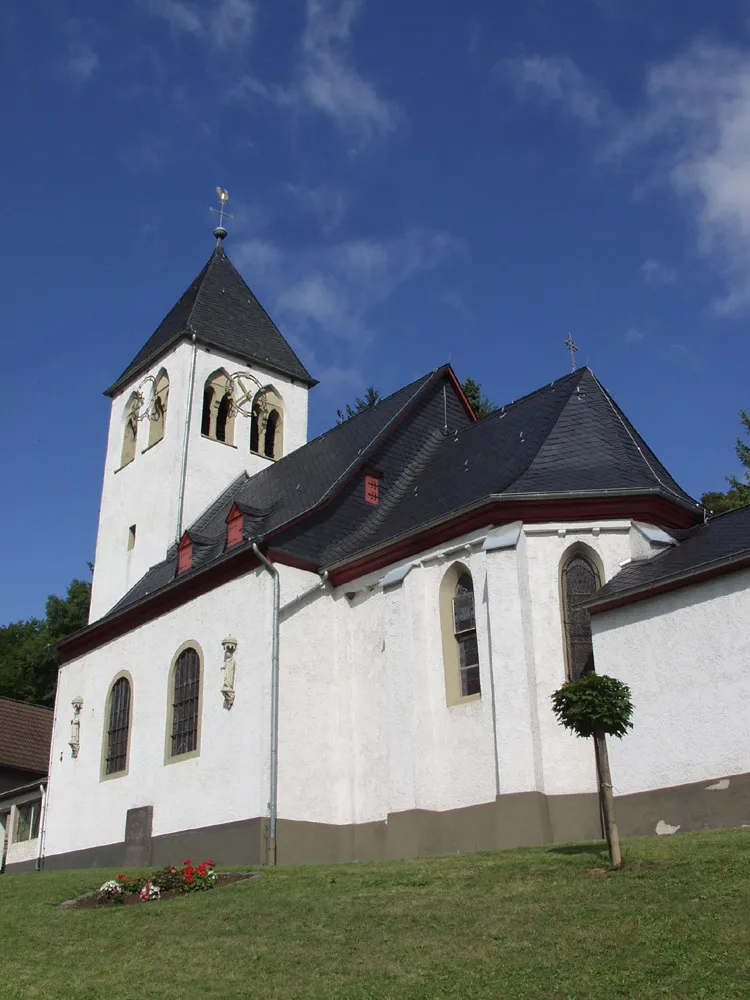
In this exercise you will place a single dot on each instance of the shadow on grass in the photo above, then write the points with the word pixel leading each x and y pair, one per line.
pixel 598 849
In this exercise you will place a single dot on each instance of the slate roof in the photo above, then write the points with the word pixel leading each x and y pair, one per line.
pixel 566 439
pixel 25 735
pixel 722 540
pixel 220 310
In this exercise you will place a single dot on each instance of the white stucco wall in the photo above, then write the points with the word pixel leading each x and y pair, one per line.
pixel 145 492
pixel 686 657
pixel 364 725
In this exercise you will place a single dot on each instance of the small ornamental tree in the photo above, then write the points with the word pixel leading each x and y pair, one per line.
pixel 598 706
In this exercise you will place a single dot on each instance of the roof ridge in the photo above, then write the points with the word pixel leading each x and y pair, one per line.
pixel 502 410
pixel 636 437
pixel 724 513
pixel 27 704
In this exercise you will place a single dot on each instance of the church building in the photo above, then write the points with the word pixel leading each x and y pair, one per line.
pixel 345 648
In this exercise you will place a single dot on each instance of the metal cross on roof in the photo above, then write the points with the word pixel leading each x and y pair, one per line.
pixel 572 348
pixel 220 232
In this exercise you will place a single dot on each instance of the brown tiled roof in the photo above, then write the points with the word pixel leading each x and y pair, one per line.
pixel 25 735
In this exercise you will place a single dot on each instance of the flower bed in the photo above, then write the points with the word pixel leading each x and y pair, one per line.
pixel 166 883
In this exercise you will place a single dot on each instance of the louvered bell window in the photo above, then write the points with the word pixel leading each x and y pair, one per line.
pixel 185 703
pixel 580 581
pixel 119 727
pixel 465 631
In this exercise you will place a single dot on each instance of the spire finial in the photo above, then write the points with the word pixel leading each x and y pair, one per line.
pixel 572 348
pixel 220 232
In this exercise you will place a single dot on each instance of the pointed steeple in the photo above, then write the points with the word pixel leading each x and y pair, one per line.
pixel 222 312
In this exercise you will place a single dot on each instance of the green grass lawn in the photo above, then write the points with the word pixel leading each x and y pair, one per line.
pixel 539 923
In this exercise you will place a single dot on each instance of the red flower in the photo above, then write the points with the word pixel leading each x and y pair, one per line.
pixel 189 878
pixel 188 862
pixel 210 863
pixel 120 878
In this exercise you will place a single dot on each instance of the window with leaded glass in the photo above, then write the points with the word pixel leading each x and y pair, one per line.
pixel 118 728
pixel 465 632
pixel 186 690
pixel 580 580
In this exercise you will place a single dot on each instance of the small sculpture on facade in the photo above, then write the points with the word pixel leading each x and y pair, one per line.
pixel 75 726
pixel 228 667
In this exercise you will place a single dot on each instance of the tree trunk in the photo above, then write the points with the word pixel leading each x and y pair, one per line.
pixel 613 839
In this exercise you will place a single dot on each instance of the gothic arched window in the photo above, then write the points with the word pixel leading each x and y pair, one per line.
pixel 459 632
pixel 130 434
pixel 267 424
pixel 217 417
pixel 185 703
pixel 118 727
pixel 158 414
pixel 580 580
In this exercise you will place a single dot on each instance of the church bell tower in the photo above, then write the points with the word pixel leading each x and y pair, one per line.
pixel 215 392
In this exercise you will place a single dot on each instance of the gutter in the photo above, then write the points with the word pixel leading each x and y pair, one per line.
pixel 498 498
pixel 42 823
pixel 274 777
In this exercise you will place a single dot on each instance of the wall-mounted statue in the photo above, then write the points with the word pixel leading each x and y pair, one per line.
pixel 75 726
pixel 228 667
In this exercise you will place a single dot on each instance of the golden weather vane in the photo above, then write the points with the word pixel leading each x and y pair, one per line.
pixel 220 231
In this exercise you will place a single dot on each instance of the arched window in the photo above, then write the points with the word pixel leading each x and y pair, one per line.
pixel 459 632
pixel 130 434
pixel 158 412
pixel 269 438
pixel 118 727
pixel 580 579
pixel 267 424
pixel 217 418
pixel 208 397
pixel 222 415
pixel 185 703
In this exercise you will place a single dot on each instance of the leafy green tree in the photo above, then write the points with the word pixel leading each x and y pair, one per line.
pixel 480 404
pixel 598 706
pixel 738 493
pixel 371 398
pixel 28 657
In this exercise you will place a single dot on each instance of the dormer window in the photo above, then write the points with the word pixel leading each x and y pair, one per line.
pixel 372 488
pixel 234 527
pixel 185 554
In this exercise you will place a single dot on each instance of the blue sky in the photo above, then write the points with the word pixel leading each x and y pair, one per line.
pixel 411 183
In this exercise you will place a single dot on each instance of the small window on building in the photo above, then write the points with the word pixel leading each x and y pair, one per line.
pixel 131 537
pixel 459 633
pixel 580 580
pixel 158 412
pixel 184 555
pixel 235 525
pixel 267 424
pixel 218 415
pixel 118 727
pixel 130 433
pixel 372 489
pixel 185 703
pixel 27 820
pixel 465 631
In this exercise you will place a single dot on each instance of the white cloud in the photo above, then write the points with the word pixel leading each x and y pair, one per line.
pixel 654 272
pixel 633 336
pixel 256 256
pixel 691 134
pixel 331 291
pixel 83 62
pixel 325 202
pixel 326 81
pixel 557 81
pixel 223 24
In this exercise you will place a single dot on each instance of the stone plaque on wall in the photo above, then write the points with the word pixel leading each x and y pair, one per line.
pixel 138 825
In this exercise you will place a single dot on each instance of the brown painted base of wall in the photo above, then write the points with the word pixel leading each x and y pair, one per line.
pixel 522 820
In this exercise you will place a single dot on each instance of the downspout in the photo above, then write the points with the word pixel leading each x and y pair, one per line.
pixel 274 780
pixel 183 468
pixel 42 823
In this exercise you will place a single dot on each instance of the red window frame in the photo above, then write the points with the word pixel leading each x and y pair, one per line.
pixel 184 555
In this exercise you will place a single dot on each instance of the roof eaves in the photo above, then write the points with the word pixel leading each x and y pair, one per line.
pixel 671 581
